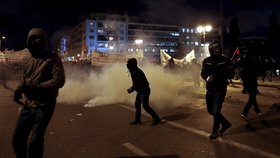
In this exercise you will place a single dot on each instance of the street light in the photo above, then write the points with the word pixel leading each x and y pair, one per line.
pixel 2 37
pixel 139 42
pixel 202 30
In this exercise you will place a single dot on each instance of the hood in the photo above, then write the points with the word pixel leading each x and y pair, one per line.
pixel 37 41
pixel 131 64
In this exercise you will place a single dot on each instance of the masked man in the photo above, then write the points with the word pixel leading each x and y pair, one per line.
pixel 42 76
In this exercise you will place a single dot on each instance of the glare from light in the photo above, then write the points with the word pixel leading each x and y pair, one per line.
pixel 200 29
pixel 208 28
pixel 139 41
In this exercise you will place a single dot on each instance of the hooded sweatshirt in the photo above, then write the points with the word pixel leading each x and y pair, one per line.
pixel 139 80
pixel 43 72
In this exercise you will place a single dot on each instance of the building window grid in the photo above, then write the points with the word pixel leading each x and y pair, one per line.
pixel 162 44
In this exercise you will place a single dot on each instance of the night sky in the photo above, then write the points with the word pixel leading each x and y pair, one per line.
pixel 17 17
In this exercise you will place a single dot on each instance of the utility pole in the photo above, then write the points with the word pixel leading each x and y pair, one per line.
pixel 2 37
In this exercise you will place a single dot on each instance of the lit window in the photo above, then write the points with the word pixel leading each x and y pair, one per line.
pixel 100 31
pixel 174 34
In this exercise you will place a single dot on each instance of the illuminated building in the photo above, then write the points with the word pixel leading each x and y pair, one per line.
pixel 116 33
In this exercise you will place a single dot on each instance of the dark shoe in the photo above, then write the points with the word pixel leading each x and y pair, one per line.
pixel 135 122
pixel 214 135
pixel 155 122
pixel 225 127
pixel 244 117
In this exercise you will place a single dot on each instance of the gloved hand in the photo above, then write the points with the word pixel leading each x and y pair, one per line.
pixel 209 78
pixel 130 90
pixel 18 96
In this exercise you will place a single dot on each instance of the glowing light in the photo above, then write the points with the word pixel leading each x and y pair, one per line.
pixel 208 28
pixel 139 41
pixel 200 29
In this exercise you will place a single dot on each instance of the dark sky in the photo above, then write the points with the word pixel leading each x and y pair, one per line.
pixel 17 17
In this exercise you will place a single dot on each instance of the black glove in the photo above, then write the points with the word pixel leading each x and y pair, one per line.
pixel 130 90
pixel 18 96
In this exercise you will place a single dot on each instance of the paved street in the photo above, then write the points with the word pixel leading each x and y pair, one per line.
pixel 104 131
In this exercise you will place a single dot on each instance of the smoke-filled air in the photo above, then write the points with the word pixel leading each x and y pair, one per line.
pixel 109 86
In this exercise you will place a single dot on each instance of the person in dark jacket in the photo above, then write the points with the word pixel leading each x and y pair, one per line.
pixel 216 70
pixel 249 74
pixel 140 84
pixel 42 76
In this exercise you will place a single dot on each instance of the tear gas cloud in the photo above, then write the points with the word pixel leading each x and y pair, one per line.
pixel 109 87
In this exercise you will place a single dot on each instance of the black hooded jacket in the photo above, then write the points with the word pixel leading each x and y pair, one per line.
pixel 220 67
pixel 139 80
pixel 43 72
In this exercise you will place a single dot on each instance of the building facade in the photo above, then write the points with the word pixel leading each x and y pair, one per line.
pixel 114 33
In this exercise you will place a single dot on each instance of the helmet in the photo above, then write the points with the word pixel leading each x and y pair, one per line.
pixel 215 48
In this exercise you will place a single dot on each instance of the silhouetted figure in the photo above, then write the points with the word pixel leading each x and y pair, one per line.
pixel 140 84
pixel 42 76
pixel 249 77
pixel 195 72
pixel 216 70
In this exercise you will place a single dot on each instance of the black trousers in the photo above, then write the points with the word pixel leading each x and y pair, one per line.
pixel 252 101
pixel 214 102
pixel 28 137
pixel 142 98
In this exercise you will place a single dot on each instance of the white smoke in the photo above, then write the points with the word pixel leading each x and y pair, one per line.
pixel 110 85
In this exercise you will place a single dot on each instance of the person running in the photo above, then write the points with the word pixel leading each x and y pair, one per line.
pixel 216 70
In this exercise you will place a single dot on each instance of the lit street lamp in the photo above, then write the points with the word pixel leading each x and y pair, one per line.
pixel 202 30
pixel 139 42
pixel 2 37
